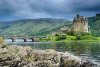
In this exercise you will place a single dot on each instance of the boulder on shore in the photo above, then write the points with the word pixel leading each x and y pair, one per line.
pixel 19 56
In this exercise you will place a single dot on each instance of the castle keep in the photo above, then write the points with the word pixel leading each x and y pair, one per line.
pixel 80 23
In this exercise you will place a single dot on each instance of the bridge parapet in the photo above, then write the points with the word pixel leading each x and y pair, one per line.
pixel 24 38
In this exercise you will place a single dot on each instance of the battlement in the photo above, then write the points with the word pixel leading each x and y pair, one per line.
pixel 79 18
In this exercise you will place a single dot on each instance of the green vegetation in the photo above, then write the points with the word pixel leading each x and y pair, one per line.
pixel 71 36
pixel 80 36
pixel 47 26
pixel 44 26
pixel 60 37
pixel 32 26
pixel 94 23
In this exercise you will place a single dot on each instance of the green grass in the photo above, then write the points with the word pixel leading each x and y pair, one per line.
pixel 72 38
pixel 98 38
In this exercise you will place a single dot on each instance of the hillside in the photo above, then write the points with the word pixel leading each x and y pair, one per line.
pixel 32 26
pixel 94 23
pixel 44 26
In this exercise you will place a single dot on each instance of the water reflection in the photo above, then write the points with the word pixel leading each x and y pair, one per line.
pixel 88 49
pixel 92 50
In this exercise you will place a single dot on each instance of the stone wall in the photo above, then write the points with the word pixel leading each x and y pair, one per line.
pixel 80 23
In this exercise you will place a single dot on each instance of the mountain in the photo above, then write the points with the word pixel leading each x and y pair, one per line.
pixel 44 26
pixel 32 26
pixel 94 23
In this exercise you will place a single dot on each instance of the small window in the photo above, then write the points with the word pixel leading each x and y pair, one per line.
pixel 84 23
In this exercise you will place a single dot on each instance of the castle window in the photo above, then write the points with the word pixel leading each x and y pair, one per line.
pixel 84 23
pixel 77 26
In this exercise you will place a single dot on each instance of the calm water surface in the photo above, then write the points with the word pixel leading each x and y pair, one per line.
pixel 89 50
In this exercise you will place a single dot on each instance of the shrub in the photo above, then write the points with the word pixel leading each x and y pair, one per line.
pixel 81 33
pixel 71 37
pixel 88 37
pixel 57 35
pixel 75 33
pixel 61 37
pixel 70 33
pixel 78 37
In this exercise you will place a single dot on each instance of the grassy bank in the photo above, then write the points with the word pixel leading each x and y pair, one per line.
pixel 71 39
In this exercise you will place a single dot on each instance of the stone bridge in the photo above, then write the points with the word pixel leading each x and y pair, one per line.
pixel 25 38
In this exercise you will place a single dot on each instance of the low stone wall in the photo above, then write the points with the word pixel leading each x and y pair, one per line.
pixel 18 56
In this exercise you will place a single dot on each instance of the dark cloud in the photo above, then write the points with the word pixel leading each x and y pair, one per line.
pixel 21 9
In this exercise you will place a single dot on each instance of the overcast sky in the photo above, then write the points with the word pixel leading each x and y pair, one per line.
pixel 30 9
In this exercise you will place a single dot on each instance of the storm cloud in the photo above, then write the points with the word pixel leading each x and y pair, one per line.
pixel 30 9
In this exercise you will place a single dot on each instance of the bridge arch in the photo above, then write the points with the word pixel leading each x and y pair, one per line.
pixel 13 38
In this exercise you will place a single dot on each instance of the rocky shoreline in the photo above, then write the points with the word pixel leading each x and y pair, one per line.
pixel 19 56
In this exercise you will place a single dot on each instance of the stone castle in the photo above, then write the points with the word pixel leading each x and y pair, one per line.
pixel 80 23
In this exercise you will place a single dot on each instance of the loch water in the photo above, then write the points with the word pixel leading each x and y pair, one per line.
pixel 88 50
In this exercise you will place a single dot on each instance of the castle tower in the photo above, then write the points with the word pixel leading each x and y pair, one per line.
pixel 80 23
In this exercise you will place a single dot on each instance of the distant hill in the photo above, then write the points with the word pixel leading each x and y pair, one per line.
pixel 32 26
pixel 94 23
pixel 44 26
